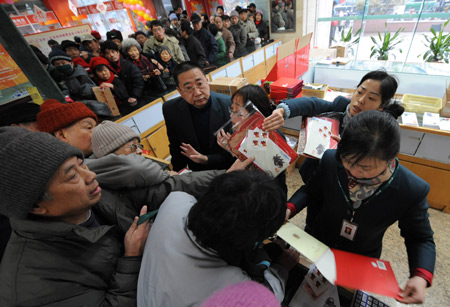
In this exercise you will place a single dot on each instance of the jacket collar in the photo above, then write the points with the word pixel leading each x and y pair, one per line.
pixel 44 229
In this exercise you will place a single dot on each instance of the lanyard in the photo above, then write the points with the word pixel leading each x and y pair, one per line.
pixel 378 192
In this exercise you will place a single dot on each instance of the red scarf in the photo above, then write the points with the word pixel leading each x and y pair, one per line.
pixel 100 81
pixel 258 22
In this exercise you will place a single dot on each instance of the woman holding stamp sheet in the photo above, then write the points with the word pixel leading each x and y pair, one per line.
pixel 360 189
pixel 374 92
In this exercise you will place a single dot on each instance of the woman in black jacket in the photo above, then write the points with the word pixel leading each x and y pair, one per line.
pixel 261 26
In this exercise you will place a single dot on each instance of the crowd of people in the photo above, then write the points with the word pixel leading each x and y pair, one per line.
pixel 86 220
pixel 139 68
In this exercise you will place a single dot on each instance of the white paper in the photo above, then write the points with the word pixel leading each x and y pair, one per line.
pixel 410 119
pixel 318 137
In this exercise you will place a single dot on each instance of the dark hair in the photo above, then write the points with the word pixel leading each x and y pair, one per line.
pixel 100 67
pixel 238 210
pixel 370 134
pixel 213 29
pixel 164 21
pixel 186 26
pixel 42 58
pixel 155 23
pixel 107 44
pixel 184 67
pixel 257 96
pixel 252 5
pixel 139 32
pixel 388 85
pixel 225 17
pixel 52 42
pixel 77 39
pixel 219 7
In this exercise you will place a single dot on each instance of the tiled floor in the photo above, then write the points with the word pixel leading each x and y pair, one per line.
pixel 394 251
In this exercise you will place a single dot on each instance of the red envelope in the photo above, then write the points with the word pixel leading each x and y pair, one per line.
pixel 365 273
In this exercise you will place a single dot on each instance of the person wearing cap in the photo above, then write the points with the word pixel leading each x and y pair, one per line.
pixel 97 36
pixel 227 36
pixel 75 80
pixel 252 32
pixel 81 58
pixel 68 247
pixel 251 9
pixel 261 26
pixel 91 44
pixel 207 40
pixel 174 23
pixel 126 71
pixel 116 37
pixel 193 46
pixel 140 37
pixel 160 39
pixel 21 115
pixel 239 34
pixel 197 247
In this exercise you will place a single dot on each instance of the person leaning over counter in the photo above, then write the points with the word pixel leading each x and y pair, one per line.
pixel 374 92
pixel 360 189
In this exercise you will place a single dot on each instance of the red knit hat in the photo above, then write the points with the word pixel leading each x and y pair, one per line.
pixel 55 115
pixel 95 61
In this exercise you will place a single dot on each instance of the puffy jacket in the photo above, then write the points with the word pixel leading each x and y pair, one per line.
pixel 195 50
pixel 170 42
pixel 250 27
pixel 221 44
pixel 63 264
pixel 229 40
pixel 240 38
pixel 131 76
pixel 79 84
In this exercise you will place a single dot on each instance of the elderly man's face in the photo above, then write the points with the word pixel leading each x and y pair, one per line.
pixel 73 189
pixel 234 20
pixel 197 26
pixel 141 38
pixel 219 23
pixel 78 135
pixel 194 87
pixel 92 46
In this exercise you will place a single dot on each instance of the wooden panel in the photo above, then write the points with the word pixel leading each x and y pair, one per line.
pixel 159 142
pixel 438 179
pixel 270 63
pixel 256 73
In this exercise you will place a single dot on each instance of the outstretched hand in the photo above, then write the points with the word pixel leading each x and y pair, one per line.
pixel 240 165
pixel 414 292
pixel 223 139
pixel 274 121
pixel 189 151
pixel 136 236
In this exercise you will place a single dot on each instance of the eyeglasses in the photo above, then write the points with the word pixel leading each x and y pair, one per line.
pixel 237 113
pixel 190 89
pixel 134 147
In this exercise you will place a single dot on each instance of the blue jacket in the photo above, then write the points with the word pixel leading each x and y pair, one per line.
pixel 180 129
pixel 404 200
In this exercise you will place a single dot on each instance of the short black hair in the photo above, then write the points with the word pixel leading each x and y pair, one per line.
pixel 252 5
pixel 213 29
pixel 388 84
pixel 225 17
pixel 139 32
pixel 77 39
pixel 186 26
pixel 237 211
pixel 219 7
pixel 155 23
pixel 370 134
pixel 52 42
pixel 100 67
pixel 107 44
pixel 184 67
pixel 257 96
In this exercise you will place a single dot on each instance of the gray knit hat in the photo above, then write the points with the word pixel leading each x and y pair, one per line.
pixel 109 136
pixel 29 160
pixel 234 13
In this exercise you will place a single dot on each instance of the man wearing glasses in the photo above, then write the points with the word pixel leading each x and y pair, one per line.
pixel 192 119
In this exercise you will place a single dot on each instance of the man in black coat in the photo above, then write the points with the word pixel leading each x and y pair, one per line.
pixel 193 46
pixel 192 119
pixel 207 40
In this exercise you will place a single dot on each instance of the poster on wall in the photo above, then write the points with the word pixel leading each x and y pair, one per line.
pixel 13 82
pixel 40 39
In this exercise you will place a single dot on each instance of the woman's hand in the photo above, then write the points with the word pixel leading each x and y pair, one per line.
pixel 189 151
pixel 414 292
pixel 274 121
pixel 239 165
pixel 157 72
pixel 223 138
pixel 136 236
pixel 107 85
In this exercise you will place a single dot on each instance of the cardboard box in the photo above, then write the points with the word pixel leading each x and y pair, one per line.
pixel 227 85
pixel 310 92
pixel 105 95
pixel 341 50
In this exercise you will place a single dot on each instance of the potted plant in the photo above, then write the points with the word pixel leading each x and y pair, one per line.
pixel 386 44
pixel 346 42
pixel 438 44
